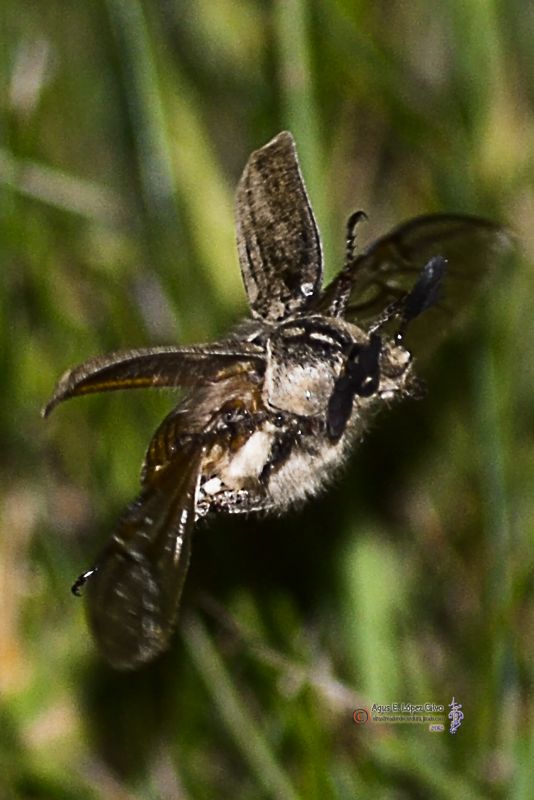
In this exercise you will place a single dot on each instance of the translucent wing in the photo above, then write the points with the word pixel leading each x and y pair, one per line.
pixel 277 237
pixel 134 594
pixel 391 266
pixel 155 366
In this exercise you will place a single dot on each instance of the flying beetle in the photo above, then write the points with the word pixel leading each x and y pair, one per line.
pixel 270 412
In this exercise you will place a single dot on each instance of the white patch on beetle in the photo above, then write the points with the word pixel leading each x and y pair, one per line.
pixel 212 486
pixel 249 460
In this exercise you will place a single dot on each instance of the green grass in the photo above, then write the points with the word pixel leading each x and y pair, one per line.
pixel 123 130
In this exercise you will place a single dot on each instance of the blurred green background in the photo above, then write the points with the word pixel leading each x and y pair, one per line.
pixel 124 126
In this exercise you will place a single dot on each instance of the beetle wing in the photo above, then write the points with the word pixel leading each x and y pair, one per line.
pixel 154 366
pixel 277 238
pixel 134 593
pixel 390 268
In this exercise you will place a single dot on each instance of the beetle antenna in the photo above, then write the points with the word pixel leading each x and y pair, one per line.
pixel 426 292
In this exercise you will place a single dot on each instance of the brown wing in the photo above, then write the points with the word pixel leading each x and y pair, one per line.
pixel 391 266
pixel 277 237
pixel 154 366
pixel 134 594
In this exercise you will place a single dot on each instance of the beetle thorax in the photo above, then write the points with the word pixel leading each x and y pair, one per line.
pixel 304 359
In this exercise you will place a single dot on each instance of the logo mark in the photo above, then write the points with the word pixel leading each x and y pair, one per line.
pixel 360 716
pixel 455 715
